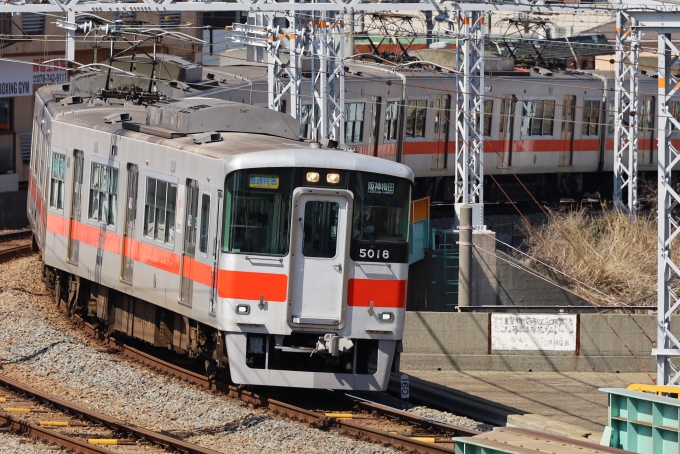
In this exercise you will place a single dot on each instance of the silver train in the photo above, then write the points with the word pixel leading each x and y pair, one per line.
pixel 552 130
pixel 207 227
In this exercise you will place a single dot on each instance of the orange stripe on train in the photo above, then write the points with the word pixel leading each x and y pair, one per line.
pixel 251 286
pixel 383 293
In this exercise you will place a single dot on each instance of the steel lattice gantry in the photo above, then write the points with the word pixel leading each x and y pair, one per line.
pixel 625 106
pixel 667 349
pixel 468 28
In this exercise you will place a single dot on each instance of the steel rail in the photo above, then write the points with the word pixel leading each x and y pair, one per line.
pixel 107 421
pixel 12 251
pixel 16 235
pixel 346 427
pixel 48 434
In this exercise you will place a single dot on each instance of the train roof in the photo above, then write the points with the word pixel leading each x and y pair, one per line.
pixel 240 149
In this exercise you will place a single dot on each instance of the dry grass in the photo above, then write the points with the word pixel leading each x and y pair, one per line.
pixel 603 250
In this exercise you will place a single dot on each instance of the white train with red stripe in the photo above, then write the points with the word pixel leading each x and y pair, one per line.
pixel 285 263
pixel 553 131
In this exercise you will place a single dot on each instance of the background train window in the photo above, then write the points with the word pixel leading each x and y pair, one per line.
pixel 391 120
pixel 538 118
pixel 257 211
pixel 646 107
pixel 205 224
pixel 58 179
pixel 381 208
pixel 354 121
pixel 159 210
pixel 674 110
pixel 415 118
pixel 611 118
pixel 103 193
pixel 591 118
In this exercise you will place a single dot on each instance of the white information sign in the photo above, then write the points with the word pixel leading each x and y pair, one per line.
pixel 533 332
pixel 17 79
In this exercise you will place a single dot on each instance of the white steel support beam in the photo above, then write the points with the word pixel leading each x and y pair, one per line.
pixel 626 115
pixel 469 103
pixel 327 47
pixel 668 347
pixel 70 37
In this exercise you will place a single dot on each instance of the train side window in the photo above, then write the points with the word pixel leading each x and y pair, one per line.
pixel 103 193
pixel 611 118
pixel 675 111
pixel 159 210
pixel 354 122
pixel 415 118
pixel 538 118
pixel 205 224
pixel 391 120
pixel 646 106
pixel 591 118
pixel 58 181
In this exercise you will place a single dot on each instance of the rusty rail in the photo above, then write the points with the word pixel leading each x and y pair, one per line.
pixel 62 440
pixel 345 427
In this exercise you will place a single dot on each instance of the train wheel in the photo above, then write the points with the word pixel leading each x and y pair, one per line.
pixel 211 369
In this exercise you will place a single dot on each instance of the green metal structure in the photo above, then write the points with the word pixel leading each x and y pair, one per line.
pixel 643 422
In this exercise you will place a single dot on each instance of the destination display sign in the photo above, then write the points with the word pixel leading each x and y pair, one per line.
pixel 263 181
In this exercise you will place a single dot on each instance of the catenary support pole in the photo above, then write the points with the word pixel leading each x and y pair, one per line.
pixel 70 36
pixel 667 348
pixel 625 106
pixel 464 255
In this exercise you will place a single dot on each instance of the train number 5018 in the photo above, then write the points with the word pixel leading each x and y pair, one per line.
pixel 373 253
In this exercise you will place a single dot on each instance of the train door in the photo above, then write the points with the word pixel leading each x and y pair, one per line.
pixel 76 197
pixel 216 255
pixel 646 130
pixel 567 134
pixel 129 226
pixel 441 131
pixel 507 126
pixel 189 248
pixel 320 248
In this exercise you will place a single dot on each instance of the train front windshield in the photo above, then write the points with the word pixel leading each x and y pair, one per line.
pixel 381 208
pixel 258 207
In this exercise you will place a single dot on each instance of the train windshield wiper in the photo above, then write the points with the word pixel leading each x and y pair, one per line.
pixel 370 237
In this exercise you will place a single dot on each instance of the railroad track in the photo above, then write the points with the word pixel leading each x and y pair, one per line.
pixel 362 419
pixel 38 414
pixel 16 243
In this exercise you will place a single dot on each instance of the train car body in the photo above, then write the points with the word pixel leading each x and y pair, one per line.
pixel 553 131
pixel 287 263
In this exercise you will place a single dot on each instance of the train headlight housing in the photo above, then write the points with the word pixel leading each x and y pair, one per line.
pixel 386 317
pixel 333 178
pixel 313 177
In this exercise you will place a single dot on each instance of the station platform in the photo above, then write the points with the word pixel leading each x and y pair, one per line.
pixel 548 399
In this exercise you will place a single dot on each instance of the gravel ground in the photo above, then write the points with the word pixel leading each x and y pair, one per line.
pixel 443 416
pixel 11 443
pixel 39 347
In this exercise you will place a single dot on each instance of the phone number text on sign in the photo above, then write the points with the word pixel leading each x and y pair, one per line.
pixel 50 78
pixel 533 332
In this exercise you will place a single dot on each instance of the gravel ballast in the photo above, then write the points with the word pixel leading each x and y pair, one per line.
pixel 40 347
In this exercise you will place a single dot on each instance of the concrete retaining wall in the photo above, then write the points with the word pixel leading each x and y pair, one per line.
pixel 461 341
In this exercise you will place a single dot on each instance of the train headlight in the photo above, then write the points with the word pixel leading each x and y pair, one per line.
pixel 386 317
pixel 243 309
pixel 313 177
pixel 333 178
